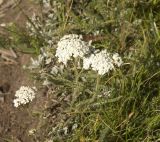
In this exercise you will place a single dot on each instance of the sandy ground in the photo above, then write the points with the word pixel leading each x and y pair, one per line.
pixel 15 12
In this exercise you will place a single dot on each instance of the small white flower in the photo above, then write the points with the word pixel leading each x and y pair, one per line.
pixel 24 95
pixel 71 46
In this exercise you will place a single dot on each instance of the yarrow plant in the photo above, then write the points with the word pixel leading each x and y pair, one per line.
pixel 69 46
pixel 24 95
pixel 80 79
pixel 73 46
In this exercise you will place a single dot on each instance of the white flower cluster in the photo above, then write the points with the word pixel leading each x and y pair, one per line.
pixel 24 95
pixel 71 45
pixel 102 62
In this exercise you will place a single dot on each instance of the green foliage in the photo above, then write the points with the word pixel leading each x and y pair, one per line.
pixel 20 40
pixel 130 112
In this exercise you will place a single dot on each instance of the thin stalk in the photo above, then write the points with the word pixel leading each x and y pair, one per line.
pixel 97 83
pixel 96 90
pixel 96 87
pixel 77 75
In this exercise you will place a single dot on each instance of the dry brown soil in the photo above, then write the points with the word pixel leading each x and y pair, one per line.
pixel 16 122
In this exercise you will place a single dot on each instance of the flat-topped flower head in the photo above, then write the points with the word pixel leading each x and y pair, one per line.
pixel 24 95
pixel 71 45
pixel 102 62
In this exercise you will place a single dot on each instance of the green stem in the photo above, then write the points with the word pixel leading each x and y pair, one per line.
pixel 96 88
pixel 97 83
pixel 77 75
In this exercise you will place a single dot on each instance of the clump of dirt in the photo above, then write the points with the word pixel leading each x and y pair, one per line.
pixel 14 122
pixel 16 10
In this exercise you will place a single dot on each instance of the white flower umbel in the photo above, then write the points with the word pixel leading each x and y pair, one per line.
pixel 102 62
pixel 24 95
pixel 71 45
